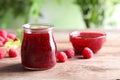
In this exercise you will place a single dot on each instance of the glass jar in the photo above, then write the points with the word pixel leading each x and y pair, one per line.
pixel 38 47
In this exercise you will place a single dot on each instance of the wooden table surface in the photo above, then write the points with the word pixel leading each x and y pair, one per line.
pixel 105 65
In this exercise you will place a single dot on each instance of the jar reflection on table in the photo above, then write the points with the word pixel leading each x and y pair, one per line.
pixel 38 47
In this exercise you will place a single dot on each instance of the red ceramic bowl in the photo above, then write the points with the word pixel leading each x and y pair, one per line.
pixel 92 39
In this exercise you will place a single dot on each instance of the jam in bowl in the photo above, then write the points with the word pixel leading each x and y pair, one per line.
pixel 91 39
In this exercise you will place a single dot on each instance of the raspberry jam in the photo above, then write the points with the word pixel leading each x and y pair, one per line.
pixel 38 47
pixel 91 39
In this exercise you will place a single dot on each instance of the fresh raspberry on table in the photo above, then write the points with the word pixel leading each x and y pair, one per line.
pixel 3 33
pixel 70 53
pixel 11 36
pixel 13 52
pixel 2 53
pixel 61 56
pixel 87 53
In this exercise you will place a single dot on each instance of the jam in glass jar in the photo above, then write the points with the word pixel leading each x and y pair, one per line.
pixel 38 47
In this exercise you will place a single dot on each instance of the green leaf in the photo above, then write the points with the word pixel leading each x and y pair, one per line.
pixel 12 44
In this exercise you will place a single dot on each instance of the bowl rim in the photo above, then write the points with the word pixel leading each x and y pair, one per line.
pixel 75 34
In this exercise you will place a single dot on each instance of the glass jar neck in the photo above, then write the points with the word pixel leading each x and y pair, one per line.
pixel 37 28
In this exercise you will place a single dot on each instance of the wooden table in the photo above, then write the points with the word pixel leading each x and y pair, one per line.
pixel 103 66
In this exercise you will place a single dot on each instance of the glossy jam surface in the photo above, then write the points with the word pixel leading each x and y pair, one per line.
pixel 93 40
pixel 38 49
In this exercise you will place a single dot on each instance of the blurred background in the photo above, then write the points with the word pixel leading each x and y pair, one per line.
pixel 63 14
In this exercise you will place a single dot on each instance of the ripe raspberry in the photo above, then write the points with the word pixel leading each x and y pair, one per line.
pixel 13 52
pixel 1 44
pixel 6 40
pixel 2 53
pixel 87 53
pixel 3 33
pixel 11 36
pixel 2 39
pixel 70 53
pixel 61 57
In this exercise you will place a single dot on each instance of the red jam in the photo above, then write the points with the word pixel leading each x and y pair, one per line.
pixel 93 40
pixel 38 48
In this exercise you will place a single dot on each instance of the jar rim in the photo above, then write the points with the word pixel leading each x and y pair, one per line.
pixel 35 26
